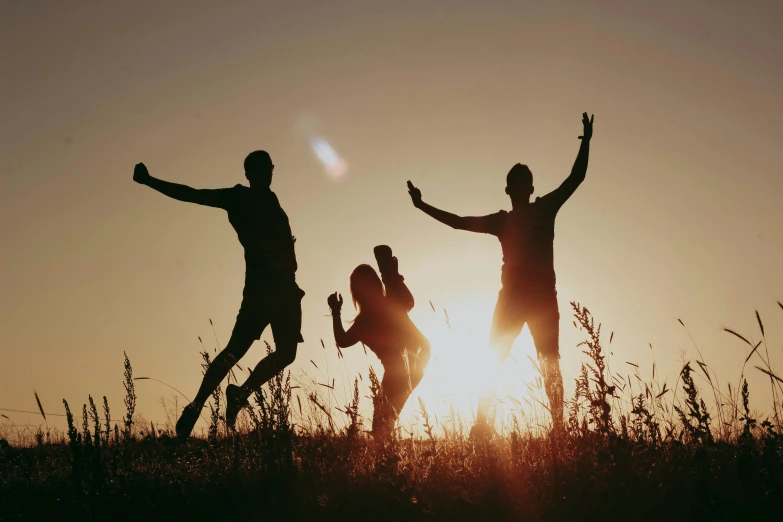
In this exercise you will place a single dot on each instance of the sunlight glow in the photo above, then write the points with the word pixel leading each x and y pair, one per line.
pixel 464 367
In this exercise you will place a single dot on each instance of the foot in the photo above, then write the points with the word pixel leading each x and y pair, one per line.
pixel 235 401
pixel 187 420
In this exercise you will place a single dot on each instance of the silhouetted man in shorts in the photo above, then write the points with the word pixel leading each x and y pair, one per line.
pixel 528 292
pixel 271 296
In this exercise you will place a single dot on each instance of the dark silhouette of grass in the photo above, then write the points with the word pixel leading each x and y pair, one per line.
pixel 658 454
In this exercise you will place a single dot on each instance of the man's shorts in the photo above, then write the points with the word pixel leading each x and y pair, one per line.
pixel 537 308
pixel 270 302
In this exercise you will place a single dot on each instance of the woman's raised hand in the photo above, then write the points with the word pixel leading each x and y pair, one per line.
pixel 335 302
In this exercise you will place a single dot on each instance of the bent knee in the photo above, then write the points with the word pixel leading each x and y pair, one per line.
pixel 226 359
pixel 286 354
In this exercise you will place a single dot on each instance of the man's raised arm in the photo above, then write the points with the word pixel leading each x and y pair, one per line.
pixel 561 194
pixel 210 198
pixel 471 224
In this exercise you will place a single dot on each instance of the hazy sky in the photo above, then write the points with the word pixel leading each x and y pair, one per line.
pixel 679 217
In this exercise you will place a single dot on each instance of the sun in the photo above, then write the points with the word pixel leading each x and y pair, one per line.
pixel 464 367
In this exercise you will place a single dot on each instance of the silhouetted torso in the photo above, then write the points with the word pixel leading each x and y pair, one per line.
pixel 526 236
pixel 387 330
pixel 263 230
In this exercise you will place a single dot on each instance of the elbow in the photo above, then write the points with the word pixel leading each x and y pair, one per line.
pixel 578 176
pixel 342 342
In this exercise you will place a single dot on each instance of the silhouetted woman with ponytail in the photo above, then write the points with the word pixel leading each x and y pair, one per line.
pixel 383 325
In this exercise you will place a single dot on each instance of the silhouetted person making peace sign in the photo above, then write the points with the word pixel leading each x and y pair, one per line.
pixel 528 292
pixel 271 296
pixel 383 325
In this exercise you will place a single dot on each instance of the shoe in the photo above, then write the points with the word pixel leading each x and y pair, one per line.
pixel 187 420
pixel 234 404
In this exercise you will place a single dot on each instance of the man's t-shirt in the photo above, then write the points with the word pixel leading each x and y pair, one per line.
pixel 262 228
pixel 527 238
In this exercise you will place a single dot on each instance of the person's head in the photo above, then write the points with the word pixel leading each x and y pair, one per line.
pixel 258 169
pixel 519 183
pixel 366 286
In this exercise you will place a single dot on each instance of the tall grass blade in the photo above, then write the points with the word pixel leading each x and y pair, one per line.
pixel 732 332
pixel 770 374
pixel 40 408
pixel 752 352
pixel 704 369
pixel 761 325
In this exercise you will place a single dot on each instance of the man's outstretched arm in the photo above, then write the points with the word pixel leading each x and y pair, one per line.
pixel 210 198
pixel 579 170
pixel 472 224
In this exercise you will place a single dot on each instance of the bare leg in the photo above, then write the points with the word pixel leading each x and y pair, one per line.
pixel 503 347
pixel 553 384
pixel 269 366
pixel 418 363
pixel 545 329
pixel 236 348
pixel 507 323
pixel 395 390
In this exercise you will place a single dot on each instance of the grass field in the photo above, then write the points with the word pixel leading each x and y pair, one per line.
pixel 666 456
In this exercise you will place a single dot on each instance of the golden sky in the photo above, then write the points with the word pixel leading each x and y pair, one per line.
pixel 679 217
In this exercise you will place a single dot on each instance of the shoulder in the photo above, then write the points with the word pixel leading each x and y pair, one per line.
pixel 232 195
pixel 238 190
pixel 273 198
pixel 494 223
pixel 359 324
pixel 495 218
pixel 234 191
pixel 547 202
pixel 498 218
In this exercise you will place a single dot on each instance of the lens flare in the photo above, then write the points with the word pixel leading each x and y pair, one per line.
pixel 336 167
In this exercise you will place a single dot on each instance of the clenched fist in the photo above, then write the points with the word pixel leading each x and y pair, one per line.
pixel 140 174
pixel 335 302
